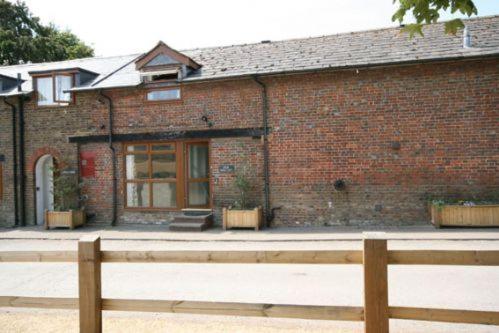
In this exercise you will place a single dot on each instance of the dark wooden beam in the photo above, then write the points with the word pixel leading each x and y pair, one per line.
pixel 172 135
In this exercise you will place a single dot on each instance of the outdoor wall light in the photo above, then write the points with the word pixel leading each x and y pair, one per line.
pixel 395 145
pixel 339 185
pixel 207 121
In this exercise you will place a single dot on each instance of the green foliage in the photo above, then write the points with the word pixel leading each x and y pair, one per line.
pixel 66 190
pixel 428 11
pixel 243 185
pixel 24 39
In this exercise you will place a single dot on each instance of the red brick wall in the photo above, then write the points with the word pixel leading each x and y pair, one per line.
pixel 342 125
pixel 338 125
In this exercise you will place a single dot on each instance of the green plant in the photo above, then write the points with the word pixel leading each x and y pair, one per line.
pixel 66 190
pixel 243 185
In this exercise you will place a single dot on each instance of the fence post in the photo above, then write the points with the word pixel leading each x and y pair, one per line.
pixel 375 286
pixel 89 284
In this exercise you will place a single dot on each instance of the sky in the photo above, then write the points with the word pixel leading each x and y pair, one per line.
pixel 121 27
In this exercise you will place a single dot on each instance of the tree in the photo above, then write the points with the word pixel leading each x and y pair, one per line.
pixel 24 39
pixel 428 11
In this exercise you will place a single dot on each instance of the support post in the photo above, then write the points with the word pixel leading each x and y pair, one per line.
pixel 89 284
pixel 375 286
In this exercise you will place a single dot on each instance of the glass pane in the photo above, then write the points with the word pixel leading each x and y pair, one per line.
pixel 44 91
pixel 162 147
pixel 164 195
pixel 164 166
pixel 63 82
pixel 163 95
pixel 137 166
pixel 137 195
pixel 198 161
pixel 136 148
pixel 199 194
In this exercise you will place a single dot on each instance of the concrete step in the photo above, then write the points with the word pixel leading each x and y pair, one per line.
pixel 200 226
pixel 192 218
pixel 191 222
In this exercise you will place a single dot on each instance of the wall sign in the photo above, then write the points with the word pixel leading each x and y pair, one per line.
pixel 226 168
pixel 68 172
pixel 87 164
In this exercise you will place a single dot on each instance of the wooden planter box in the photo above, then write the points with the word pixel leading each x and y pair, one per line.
pixel 70 219
pixel 233 218
pixel 465 216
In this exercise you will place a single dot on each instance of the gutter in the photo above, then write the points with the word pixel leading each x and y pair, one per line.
pixel 269 216
pixel 14 160
pixel 113 157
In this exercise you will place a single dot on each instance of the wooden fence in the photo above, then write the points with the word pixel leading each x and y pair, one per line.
pixel 375 259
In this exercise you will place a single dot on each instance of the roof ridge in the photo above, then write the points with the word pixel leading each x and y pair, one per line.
pixel 333 34
pixel 68 60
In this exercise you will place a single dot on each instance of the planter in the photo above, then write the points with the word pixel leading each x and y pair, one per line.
pixel 465 216
pixel 234 218
pixel 70 219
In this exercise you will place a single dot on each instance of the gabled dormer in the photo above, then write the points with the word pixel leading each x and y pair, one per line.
pixel 164 64
pixel 51 86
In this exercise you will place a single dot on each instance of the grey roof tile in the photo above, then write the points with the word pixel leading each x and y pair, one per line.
pixel 363 48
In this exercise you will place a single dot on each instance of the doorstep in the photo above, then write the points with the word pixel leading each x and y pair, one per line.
pixel 161 232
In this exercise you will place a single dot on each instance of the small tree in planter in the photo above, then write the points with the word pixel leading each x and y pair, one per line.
pixel 67 211
pixel 240 215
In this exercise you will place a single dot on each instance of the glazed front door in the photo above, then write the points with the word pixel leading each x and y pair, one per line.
pixel 198 181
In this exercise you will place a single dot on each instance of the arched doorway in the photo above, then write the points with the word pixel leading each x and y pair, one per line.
pixel 44 180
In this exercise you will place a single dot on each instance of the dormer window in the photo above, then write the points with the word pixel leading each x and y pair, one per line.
pixel 51 90
pixel 52 86
pixel 164 66
pixel 8 83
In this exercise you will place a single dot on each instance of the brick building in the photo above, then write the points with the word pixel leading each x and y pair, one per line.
pixel 349 129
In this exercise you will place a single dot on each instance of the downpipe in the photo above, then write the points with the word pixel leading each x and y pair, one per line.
pixel 14 160
pixel 113 155
pixel 268 213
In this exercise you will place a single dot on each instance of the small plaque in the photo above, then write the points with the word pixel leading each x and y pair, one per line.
pixel 69 172
pixel 2 158
pixel 227 168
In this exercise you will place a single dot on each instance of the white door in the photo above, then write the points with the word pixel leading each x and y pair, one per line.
pixel 44 187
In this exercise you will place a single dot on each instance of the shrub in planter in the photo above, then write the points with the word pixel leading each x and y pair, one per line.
pixel 240 215
pixel 464 213
pixel 68 211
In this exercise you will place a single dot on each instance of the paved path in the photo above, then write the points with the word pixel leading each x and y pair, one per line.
pixel 458 287
pixel 155 232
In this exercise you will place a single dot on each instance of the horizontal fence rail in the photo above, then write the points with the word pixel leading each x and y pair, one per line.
pixel 375 257
pixel 395 257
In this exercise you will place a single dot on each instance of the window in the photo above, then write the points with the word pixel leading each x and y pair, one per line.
pixel 163 95
pixel 155 177
pixel 151 175
pixel 51 89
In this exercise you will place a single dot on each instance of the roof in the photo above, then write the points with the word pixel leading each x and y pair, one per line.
pixel 355 49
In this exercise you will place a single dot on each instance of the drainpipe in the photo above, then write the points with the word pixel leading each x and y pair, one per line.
pixel 113 155
pixel 14 160
pixel 22 164
pixel 269 215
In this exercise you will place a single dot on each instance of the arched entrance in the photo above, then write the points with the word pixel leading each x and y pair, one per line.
pixel 44 180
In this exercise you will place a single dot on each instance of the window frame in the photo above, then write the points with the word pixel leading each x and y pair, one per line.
pixel 176 100
pixel 53 76
pixel 181 163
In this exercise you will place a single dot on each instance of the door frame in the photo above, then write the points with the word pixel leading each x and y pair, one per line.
pixel 42 180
